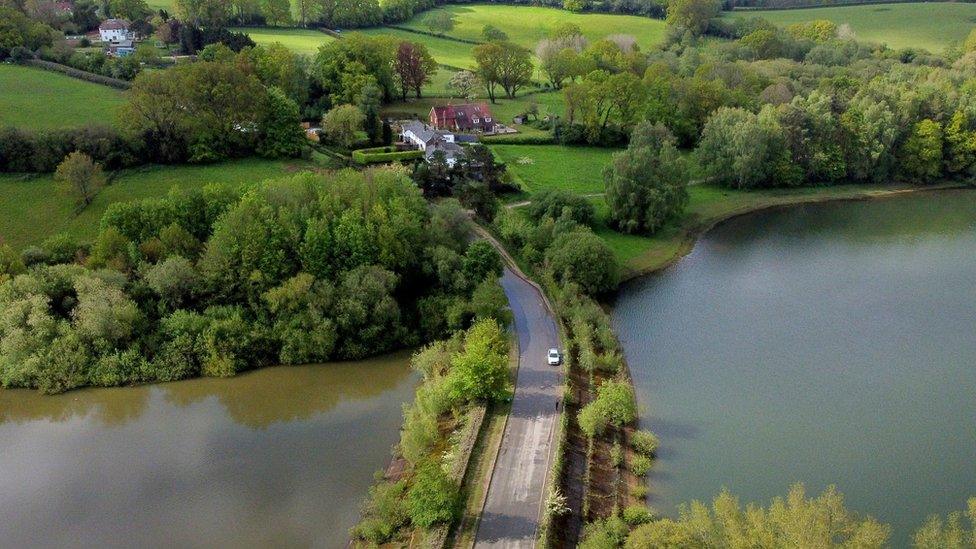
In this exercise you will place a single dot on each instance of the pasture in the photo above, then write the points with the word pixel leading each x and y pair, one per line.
pixel 23 197
pixel 932 26
pixel 43 100
pixel 540 167
pixel 526 25
pixel 298 40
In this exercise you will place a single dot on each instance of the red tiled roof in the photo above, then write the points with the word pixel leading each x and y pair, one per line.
pixel 463 116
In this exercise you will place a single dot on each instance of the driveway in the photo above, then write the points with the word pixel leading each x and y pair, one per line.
pixel 513 507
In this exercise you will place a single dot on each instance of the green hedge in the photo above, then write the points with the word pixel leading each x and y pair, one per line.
pixel 519 139
pixel 378 155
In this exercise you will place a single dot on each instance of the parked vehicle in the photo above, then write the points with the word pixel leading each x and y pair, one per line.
pixel 553 357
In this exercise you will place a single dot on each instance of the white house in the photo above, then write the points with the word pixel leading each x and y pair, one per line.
pixel 431 140
pixel 115 30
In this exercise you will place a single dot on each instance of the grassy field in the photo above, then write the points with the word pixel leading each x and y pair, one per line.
pixel 526 25
pixel 445 52
pixel 35 208
pixel 299 40
pixel 539 167
pixel 932 26
pixel 38 99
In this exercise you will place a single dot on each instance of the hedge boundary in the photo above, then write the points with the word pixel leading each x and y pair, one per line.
pixel 79 74
pixel 379 155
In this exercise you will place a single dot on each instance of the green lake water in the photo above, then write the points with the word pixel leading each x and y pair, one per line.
pixel 827 344
pixel 280 457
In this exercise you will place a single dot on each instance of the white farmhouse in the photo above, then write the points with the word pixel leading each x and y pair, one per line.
pixel 115 30
pixel 431 140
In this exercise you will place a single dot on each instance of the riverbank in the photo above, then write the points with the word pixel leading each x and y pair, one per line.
pixel 714 206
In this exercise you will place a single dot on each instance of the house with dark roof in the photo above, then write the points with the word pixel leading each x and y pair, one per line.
pixel 115 30
pixel 470 117
pixel 431 140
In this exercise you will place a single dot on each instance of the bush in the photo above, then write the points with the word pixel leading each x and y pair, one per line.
pixel 583 258
pixel 433 497
pixel 639 491
pixel 556 203
pixel 383 513
pixel 644 442
pixel 640 465
pixel 616 454
pixel 61 248
pixel 636 515
pixel 378 155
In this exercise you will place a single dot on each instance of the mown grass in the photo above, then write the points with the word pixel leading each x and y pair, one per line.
pixel 35 208
pixel 298 40
pixel 32 98
pixel 932 26
pixel 540 167
pixel 526 25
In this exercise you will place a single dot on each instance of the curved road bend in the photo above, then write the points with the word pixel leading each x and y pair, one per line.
pixel 512 509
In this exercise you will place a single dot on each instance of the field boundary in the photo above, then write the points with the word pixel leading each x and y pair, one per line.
pixel 839 4
pixel 79 74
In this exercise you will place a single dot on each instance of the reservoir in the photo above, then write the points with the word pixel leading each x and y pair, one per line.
pixel 826 344
pixel 279 457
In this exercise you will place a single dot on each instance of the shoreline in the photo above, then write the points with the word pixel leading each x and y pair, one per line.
pixel 690 235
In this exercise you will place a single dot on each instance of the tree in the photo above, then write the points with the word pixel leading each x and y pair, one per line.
pixel 133 10
pixel 950 533
pixel 491 33
pixel 558 61
pixel 282 135
pixel 439 21
pixel 645 185
pixel 343 124
pixel 204 13
pixel 503 64
pixel 413 66
pixel 692 15
pixel 369 105
pixel 480 371
pixel 921 155
pixel 174 280
pixel 464 83
pixel 582 257
pixel 276 12
pixel 432 497
pixel 796 521
pixel 83 176
pixel 742 150
pixel 556 203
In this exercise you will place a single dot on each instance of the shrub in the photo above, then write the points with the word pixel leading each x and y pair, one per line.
pixel 383 513
pixel 644 442
pixel 616 454
pixel 379 155
pixel 582 257
pixel 636 515
pixel 639 491
pixel 61 248
pixel 556 203
pixel 433 497
pixel 640 465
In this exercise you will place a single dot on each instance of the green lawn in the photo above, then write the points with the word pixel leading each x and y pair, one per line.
pixel 445 52
pixel 932 26
pixel 35 208
pixel 539 167
pixel 38 99
pixel 299 40
pixel 526 25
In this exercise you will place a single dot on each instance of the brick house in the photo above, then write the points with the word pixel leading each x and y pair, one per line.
pixel 465 118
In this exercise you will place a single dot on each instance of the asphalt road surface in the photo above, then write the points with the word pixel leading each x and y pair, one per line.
pixel 515 496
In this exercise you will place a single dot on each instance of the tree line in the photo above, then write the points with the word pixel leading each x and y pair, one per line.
pixel 213 281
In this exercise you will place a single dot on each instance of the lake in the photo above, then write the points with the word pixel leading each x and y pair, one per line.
pixel 828 344
pixel 279 457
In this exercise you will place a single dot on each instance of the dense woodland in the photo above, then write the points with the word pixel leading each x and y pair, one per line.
pixel 211 282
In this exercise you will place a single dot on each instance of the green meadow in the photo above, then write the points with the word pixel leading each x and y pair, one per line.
pixel 932 26
pixel 299 40
pixel 37 99
pixel 22 198
pixel 526 25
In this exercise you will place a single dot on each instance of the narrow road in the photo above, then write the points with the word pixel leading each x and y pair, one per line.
pixel 513 507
